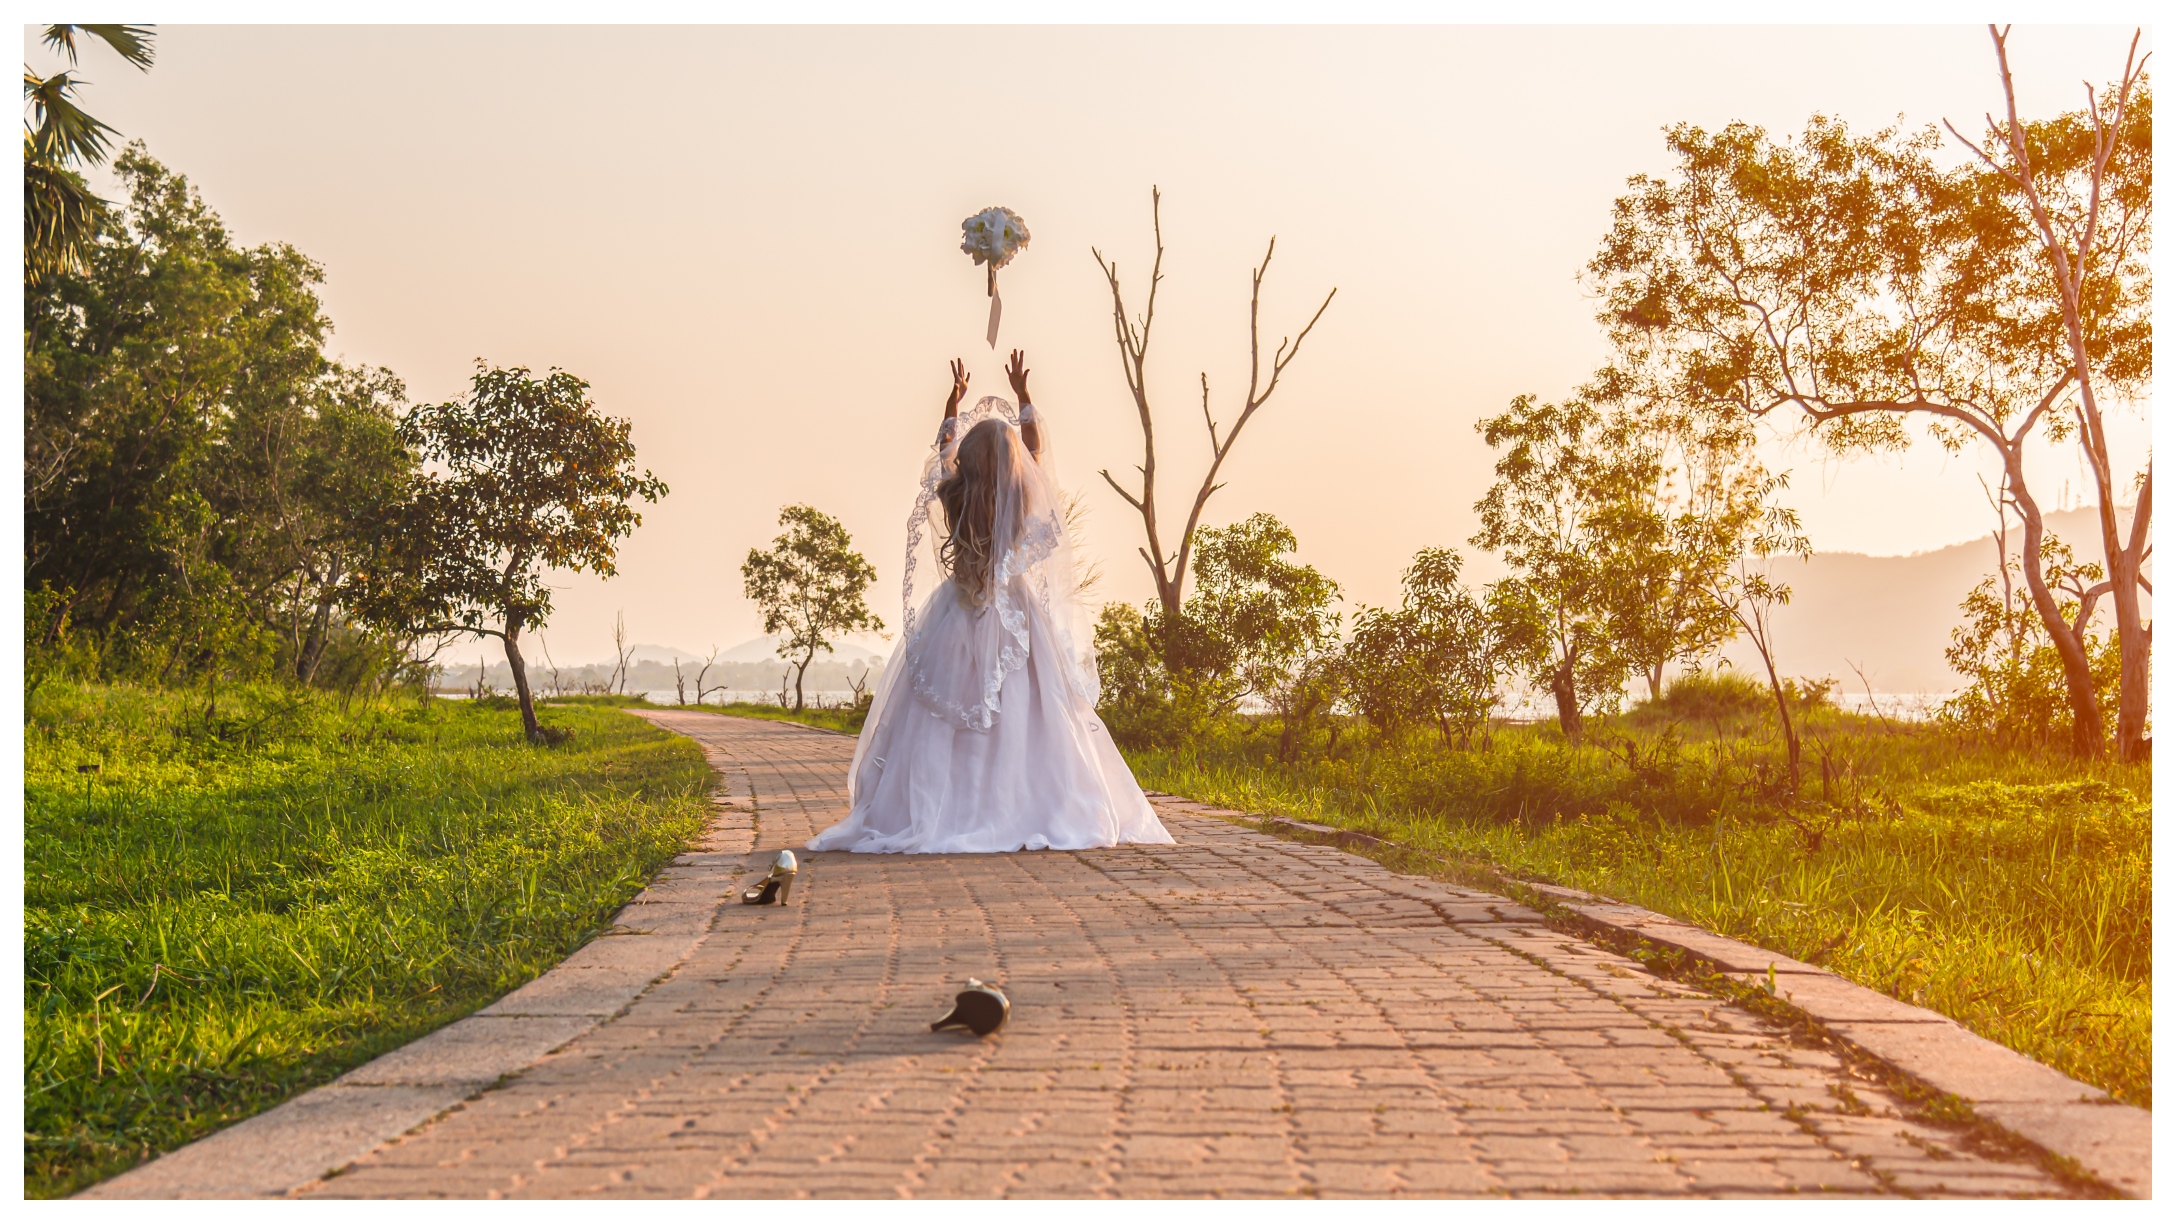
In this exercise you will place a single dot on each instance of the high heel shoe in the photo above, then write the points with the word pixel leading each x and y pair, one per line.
pixel 980 1009
pixel 776 886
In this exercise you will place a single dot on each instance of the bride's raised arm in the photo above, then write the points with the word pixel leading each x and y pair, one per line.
pixel 1017 373
pixel 952 403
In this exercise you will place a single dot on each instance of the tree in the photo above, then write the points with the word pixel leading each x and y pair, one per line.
pixel 60 214
pixel 1852 280
pixel 810 587
pixel 1674 537
pixel 2086 185
pixel 1749 592
pixel 194 468
pixel 1259 625
pixel 532 478
pixel 300 479
pixel 1433 658
pixel 1568 502
pixel 1133 334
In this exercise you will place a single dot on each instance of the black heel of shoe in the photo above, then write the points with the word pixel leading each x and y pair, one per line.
pixel 980 1009
pixel 776 886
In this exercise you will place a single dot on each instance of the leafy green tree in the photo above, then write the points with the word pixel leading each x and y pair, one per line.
pixel 528 476
pixel 1260 625
pixel 1567 505
pixel 60 214
pixel 302 478
pixel 1257 625
pixel 1859 284
pixel 1145 702
pixel 811 587
pixel 1431 659
pixel 193 465
pixel 1674 537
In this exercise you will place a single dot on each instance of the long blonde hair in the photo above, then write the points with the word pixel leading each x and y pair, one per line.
pixel 969 497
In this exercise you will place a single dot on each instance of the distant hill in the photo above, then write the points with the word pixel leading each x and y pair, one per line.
pixel 1891 615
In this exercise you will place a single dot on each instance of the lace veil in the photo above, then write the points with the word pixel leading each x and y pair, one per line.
pixel 957 668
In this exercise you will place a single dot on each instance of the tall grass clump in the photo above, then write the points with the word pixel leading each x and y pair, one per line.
pixel 2010 889
pixel 247 899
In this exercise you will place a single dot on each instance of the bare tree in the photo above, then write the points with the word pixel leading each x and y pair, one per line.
pixel 618 681
pixel 2085 260
pixel 702 689
pixel 1133 336
pixel 556 687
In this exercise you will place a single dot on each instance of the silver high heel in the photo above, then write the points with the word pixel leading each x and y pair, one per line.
pixel 777 885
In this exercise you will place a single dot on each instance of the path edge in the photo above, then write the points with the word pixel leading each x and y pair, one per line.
pixel 2065 1118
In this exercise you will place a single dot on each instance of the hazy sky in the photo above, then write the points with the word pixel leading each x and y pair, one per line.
pixel 747 240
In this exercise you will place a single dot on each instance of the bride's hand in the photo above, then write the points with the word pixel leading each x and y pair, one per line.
pixel 1017 374
pixel 959 388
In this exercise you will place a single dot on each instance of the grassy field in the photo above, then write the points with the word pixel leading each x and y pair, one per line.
pixel 2013 892
pixel 241 906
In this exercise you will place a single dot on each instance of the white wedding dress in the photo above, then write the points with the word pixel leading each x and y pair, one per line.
pixel 984 736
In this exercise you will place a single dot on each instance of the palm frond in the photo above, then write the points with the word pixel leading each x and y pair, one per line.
pixel 60 217
pixel 132 43
pixel 64 132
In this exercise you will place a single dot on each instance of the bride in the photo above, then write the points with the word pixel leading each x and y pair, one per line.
pixel 984 735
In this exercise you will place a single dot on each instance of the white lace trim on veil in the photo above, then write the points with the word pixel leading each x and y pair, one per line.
pixel 1031 559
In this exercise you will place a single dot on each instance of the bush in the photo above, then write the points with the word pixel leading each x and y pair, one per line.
pixel 1729 697
pixel 1145 703
pixel 1717 696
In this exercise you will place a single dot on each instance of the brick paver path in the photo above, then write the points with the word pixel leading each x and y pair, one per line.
pixel 1236 1015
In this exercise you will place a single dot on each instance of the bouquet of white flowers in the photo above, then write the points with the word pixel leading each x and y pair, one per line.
pixel 992 237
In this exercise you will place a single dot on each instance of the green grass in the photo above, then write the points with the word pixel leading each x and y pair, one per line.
pixel 2013 892
pixel 236 909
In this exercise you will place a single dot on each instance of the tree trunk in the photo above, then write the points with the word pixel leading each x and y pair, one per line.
pixel 1783 712
pixel 1654 682
pixel 799 670
pixel 2085 735
pixel 313 648
pixel 2133 639
pixel 1567 699
pixel 529 725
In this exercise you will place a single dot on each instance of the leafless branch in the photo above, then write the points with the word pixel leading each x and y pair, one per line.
pixel 1132 336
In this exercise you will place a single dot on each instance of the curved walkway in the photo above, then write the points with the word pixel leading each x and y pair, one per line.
pixel 1235 1015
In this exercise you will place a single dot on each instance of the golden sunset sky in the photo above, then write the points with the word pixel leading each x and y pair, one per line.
pixel 747 240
